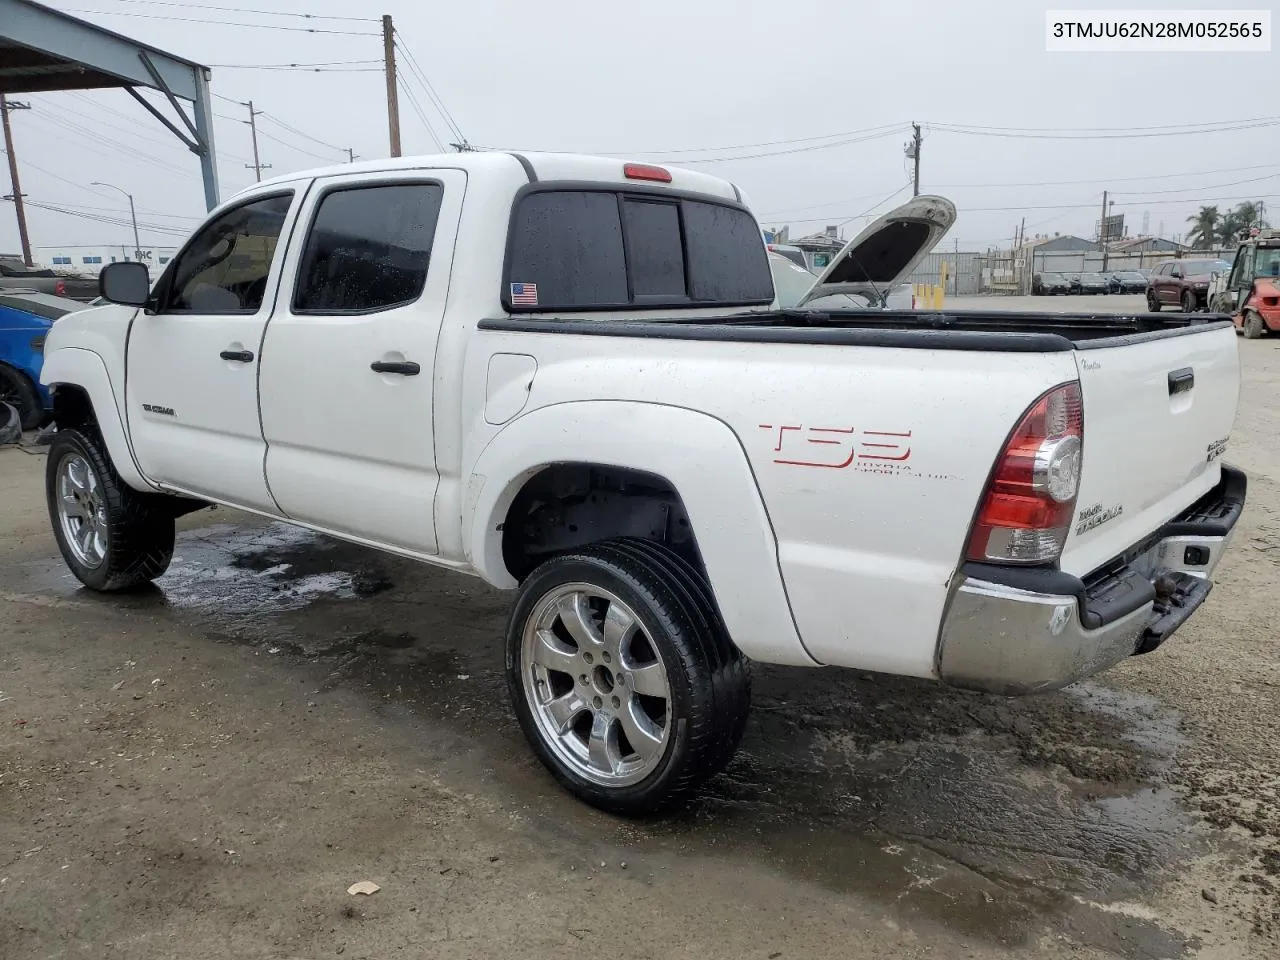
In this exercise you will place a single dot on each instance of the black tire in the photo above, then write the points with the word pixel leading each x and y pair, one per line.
pixel 138 527
pixel 708 679
pixel 1188 302
pixel 1252 326
pixel 733 681
pixel 21 394
pixel 1153 305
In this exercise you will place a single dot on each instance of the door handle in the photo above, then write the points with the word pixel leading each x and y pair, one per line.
pixel 405 367
pixel 240 356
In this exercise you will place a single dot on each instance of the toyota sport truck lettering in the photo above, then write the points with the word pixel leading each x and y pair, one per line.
pixel 673 473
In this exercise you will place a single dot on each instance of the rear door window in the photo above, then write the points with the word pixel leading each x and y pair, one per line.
pixel 369 248
pixel 607 249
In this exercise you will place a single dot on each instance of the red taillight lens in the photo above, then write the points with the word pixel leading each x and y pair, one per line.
pixel 1028 505
pixel 60 287
pixel 646 171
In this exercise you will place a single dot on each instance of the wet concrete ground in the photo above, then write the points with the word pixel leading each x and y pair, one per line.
pixel 201 769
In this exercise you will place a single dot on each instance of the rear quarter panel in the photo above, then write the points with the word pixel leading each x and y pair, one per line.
pixel 870 461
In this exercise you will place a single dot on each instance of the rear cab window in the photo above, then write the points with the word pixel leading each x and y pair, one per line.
pixel 610 248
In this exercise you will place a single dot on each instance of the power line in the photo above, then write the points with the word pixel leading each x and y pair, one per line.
pixel 1099 180
pixel 221 23
pixel 1135 133
pixel 289 66
pixel 263 13
pixel 81 186
pixel 306 136
pixel 99 218
pixel 105 141
pixel 283 143
pixel 417 108
pixel 793 150
pixel 748 156
pixel 298 67
pixel 883 128
pixel 434 97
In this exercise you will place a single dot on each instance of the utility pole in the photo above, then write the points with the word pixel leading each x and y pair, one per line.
pixel 1102 231
pixel 393 99
pixel 914 153
pixel 351 155
pixel 137 245
pixel 257 166
pixel 5 107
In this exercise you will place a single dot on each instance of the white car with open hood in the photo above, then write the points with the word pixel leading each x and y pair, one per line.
pixel 873 268
pixel 571 377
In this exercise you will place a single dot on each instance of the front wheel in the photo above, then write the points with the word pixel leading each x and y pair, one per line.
pixel 111 536
pixel 622 676
pixel 1188 302
pixel 1253 327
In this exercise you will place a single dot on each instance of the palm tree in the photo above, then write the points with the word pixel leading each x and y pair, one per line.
pixel 1231 225
pixel 1204 227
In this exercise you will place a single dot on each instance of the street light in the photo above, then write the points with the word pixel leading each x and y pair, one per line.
pixel 137 246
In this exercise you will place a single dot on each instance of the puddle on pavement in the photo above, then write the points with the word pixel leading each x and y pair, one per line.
pixel 1001 819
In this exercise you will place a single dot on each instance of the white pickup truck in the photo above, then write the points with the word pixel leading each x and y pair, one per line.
pixel 569 376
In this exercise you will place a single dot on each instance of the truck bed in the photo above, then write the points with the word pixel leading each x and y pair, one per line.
pixel 986 330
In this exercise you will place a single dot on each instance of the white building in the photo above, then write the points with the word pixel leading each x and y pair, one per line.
pixel 92 258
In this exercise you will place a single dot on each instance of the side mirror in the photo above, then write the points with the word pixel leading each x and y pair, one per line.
pixel 126 283
pixel 1176 274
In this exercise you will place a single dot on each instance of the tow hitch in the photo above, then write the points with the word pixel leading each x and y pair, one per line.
pixel 1177 597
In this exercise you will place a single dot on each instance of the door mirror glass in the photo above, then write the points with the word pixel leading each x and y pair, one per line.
pixel 126 283
pixel 1175 273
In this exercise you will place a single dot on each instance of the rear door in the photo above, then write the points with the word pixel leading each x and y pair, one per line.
pixel 347 369
pixel 1157 415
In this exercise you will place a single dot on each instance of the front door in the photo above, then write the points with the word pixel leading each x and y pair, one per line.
pixel 192 376
pixel 348 358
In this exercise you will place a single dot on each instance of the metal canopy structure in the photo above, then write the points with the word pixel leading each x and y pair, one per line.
pixel 43 50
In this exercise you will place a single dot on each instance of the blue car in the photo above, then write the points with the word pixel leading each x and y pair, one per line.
pixel 25 319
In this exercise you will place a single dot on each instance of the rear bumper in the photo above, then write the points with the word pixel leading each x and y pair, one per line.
pixel 1016 631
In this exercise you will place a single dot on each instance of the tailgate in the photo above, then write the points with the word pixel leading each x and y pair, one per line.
pixel 1157 413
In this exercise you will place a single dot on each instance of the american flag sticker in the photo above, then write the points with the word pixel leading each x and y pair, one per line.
pixel 524 294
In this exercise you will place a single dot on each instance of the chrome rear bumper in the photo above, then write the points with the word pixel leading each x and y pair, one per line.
pixel 1016 631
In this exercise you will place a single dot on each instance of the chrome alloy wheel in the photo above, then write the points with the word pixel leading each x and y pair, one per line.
pixel 596 685
pixel 81 510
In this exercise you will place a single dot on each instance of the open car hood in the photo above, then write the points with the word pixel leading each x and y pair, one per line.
pixel 885 253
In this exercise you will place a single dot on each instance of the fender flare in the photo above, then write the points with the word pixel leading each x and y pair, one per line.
pixel 703 460
pixel 77 367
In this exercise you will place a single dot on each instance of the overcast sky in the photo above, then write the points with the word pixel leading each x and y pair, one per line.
pixel 642 79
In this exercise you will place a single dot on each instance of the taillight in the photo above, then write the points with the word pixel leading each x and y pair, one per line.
pixel 646 171
pixel 1028 505
pixel 60 287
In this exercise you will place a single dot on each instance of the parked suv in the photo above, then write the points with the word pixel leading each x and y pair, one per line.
pixel 1183 283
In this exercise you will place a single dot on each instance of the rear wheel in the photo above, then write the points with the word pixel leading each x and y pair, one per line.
pixel 1252 326
pixel 111 536
pixel 622 677
pixel 21 394
pixel 1152 303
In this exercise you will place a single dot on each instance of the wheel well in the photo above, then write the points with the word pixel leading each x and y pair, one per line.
pixel 72 406
pixel 569 505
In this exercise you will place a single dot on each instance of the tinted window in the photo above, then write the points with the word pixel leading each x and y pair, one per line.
pixel 569 245
pixel 225 267
pixel 727 260
pixel 657 255
pixel 568 252
pixel 368 249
